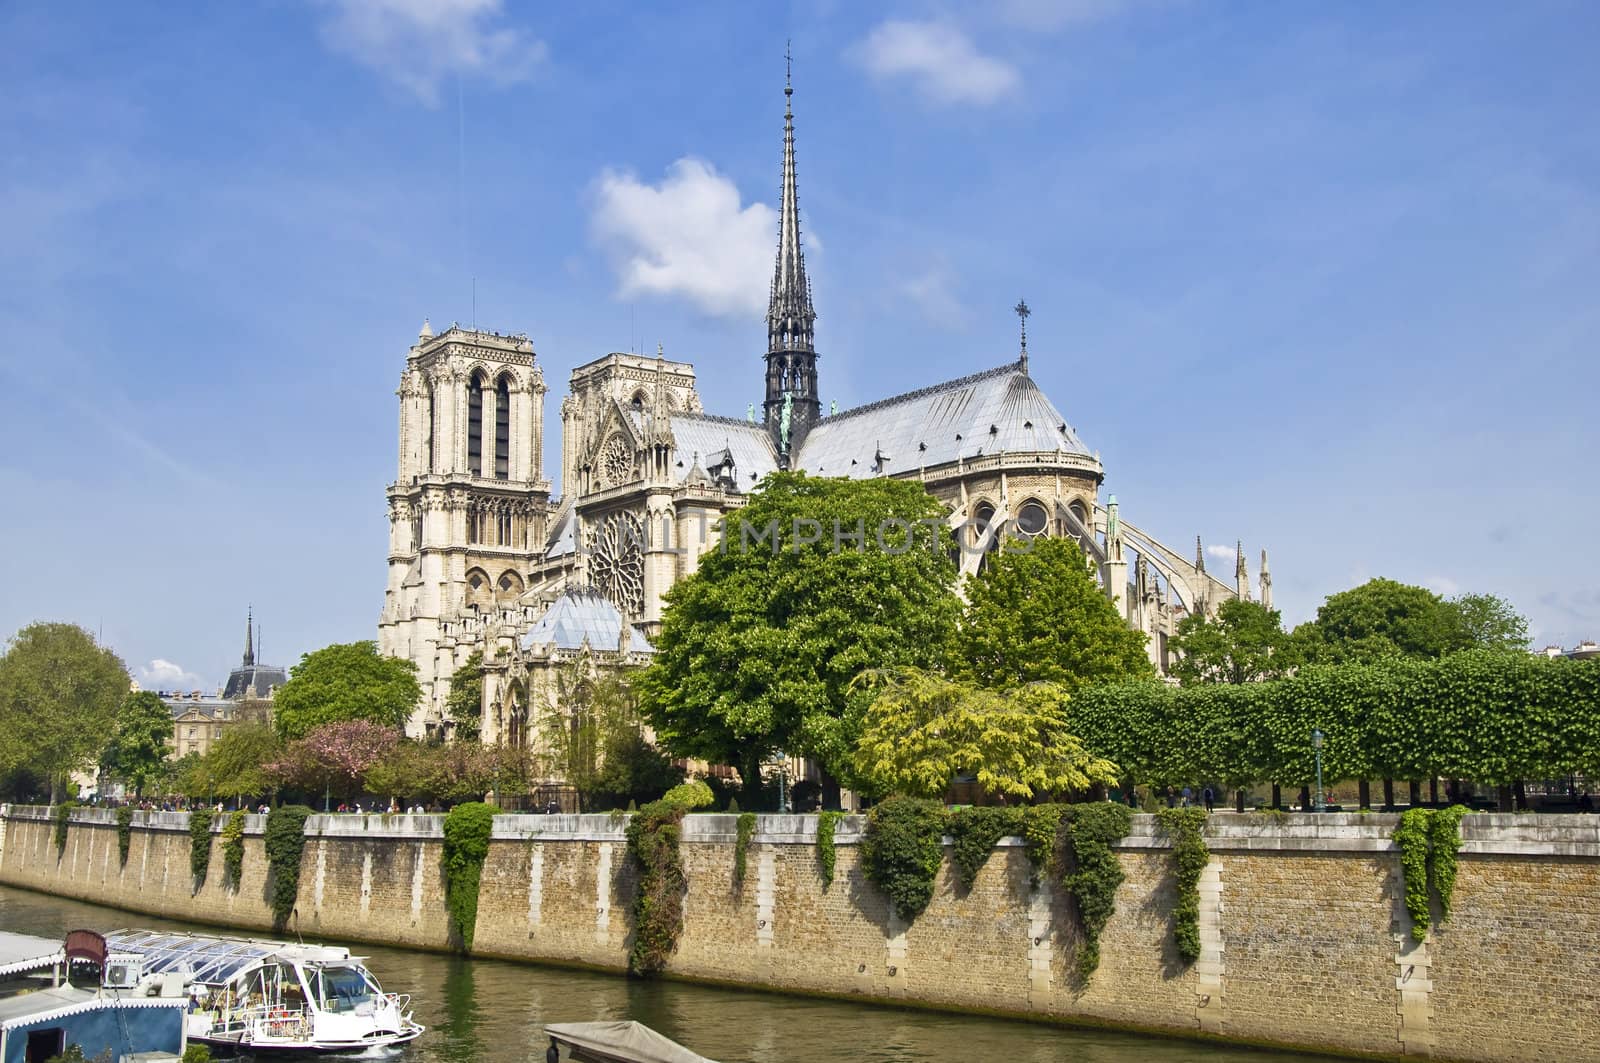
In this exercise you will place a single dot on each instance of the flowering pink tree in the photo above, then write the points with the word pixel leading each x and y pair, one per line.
pixel 335 756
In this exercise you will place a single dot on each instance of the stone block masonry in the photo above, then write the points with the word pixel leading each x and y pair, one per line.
pixel 1305 941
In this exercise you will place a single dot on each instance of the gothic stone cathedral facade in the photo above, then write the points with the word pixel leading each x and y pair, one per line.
pixel 481 558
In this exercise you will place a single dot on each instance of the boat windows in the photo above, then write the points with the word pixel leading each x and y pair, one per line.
pixel 342 988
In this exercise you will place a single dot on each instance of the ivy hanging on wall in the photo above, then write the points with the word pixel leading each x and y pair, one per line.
pixel 653 834
pixel 902 849
pixel 285 841
pixel 124 833
pixel 741 847
pixel 975 832
pixel 233 850
pixel 1190 855
pixel 63 819
pixel 1090 870
pixel 1040 824
pixel 200 845
pixel 1429 841
pixel 467 828
pixel 827 855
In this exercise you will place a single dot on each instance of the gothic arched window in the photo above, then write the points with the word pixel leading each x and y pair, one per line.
pixel 475 425
pixel 502 431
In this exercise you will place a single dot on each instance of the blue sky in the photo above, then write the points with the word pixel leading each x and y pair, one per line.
pixel 1317 277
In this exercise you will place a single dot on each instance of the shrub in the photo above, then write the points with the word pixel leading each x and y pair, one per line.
pixel 690 795
pixel 826 853
pixel 63 819
pixel 466 843
pixel 1190 855
pixel 285 842
pixel 200 845
pixel 124 833
pixel 197 1054
pixel 741 847
pixel 1093 872
pixel 975 831
pixel 902 850
pixel 233 850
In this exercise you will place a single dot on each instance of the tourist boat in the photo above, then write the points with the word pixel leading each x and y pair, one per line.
pixel 264 996
pixel 57 995
pixel 615 1042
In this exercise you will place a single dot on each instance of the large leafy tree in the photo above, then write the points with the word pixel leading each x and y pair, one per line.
pixel 1244 643
pixel 597 742
pixel 924 729
pixel 237 764
pixel 137 753
pixel 1381 618
pixel 464 704
pixel 59 694
pixel 1487 622
pixel 1036 613
pixel 335 757
pixel 345 681
pixel 817 580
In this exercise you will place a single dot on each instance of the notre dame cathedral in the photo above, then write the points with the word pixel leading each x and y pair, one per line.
pixel 481 558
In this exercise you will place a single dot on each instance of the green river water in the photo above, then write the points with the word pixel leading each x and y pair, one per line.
pixel 490 1010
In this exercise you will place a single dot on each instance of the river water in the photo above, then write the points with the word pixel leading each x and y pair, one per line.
pixel 490 1010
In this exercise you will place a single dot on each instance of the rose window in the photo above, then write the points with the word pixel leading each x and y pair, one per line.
pixel 616 562
pixel 616 463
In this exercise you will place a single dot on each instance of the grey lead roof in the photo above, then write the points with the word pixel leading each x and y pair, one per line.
pixel 749 444
pixel 580 616
pixel 1000 410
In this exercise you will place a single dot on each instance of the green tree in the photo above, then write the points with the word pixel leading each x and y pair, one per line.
pixel 1487 622
pixel 139 747
pixel 1246 643
pixel 1381 618
pixel 464 703
pixel 345 681
pixel 59 694
pixel 597 743
pixel 1036 613
pixel 924 729
pixel 237 763
pixel 817 580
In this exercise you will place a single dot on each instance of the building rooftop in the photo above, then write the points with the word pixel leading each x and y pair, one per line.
pixel 580 617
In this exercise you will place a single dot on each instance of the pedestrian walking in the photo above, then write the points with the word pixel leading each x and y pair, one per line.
pixel 1210 799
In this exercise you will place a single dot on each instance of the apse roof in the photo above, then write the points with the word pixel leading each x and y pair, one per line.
pixel 581 616
pixel 1000 410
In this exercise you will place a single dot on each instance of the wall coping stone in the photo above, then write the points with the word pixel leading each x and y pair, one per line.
pixel 1482 833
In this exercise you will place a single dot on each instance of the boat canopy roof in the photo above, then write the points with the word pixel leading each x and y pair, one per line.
pixel 213 959
pixel 625 1042
pixel 24 952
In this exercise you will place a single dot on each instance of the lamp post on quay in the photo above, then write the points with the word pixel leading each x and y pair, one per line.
pixel 1316 747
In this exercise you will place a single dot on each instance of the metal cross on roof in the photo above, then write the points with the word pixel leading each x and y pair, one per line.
pixel 1022 313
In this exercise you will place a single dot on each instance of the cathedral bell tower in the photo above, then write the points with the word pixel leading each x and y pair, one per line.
pixel 791 403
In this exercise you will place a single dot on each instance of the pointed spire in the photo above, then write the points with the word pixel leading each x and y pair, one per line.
pixel 789 311
pixel 1266 581
pixel 249 636
pixel 1199 555
pixel 426 332
pixel 1022 312
pixel 1241 574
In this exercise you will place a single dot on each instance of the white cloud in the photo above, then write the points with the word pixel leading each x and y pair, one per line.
pixel 419 43
pixel 939 59
pixel 688 236
pixel 165 675
pixel 1222 551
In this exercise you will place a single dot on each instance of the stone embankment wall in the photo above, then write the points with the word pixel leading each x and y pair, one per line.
pixel 1305 937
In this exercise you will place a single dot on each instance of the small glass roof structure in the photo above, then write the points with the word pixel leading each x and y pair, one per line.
pixel 208 959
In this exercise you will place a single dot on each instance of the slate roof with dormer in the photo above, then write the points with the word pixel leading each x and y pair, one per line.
pixel 997 411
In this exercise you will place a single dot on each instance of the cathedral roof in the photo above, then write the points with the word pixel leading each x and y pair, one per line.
pixel 747 444
pixel 584 616
pixel 997 411
pixel 253 681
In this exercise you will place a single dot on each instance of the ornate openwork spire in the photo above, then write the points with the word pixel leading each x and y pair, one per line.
pixel 791 351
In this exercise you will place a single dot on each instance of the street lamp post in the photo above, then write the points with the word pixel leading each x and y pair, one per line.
pixel 782 761
pixel 1316 747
